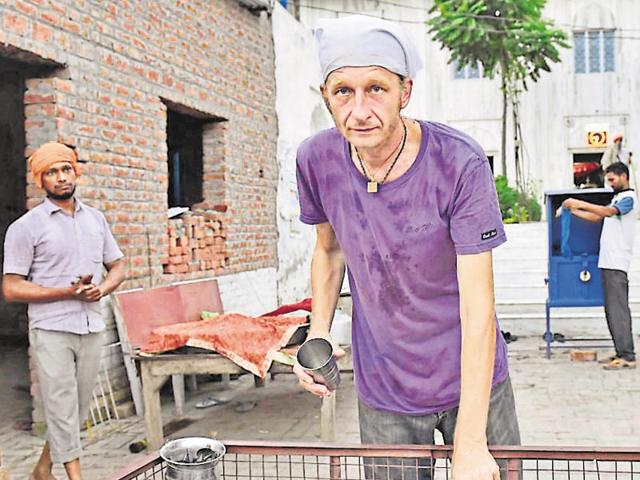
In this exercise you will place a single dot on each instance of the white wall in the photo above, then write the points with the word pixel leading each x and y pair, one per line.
pixel 251 293
pixel 301 112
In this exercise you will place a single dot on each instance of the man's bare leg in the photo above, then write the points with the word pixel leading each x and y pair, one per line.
pixel 73 469
pixel 42 470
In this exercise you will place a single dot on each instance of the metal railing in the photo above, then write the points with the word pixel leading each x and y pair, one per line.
pixel 289 461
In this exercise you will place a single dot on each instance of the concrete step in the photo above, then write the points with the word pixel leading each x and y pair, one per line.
pixel 537 277
pixel 538 292
pixel 591 331
pixel 531 277
pixel 527 307
pixel 523 318
pixel 521 263
pixel 535 248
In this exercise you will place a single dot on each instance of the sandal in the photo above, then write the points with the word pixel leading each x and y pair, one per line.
pixel 210 402
pixel 607 360
pixel 620 364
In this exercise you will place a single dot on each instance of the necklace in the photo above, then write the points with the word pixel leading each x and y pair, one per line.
pixel 372 184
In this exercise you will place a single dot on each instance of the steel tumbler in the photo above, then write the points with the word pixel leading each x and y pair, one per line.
pixel 316 357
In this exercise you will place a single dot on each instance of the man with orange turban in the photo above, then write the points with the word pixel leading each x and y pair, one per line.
pixel 53 260
pixel 49 154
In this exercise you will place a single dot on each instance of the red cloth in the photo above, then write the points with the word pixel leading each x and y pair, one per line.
pixel 292 307
pixel 247 341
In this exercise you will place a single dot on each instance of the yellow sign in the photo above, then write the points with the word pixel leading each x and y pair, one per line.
pixel 597 139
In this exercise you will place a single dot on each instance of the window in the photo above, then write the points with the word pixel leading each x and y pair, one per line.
pixel 184 144
pixel 609 51
pixel 594 51
pixel 466 71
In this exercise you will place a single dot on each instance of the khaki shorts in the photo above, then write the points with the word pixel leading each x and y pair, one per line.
pixel 67 366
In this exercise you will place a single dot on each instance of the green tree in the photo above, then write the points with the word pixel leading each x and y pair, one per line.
pixel 507 37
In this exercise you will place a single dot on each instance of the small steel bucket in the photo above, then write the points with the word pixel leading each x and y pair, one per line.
pixel 192 458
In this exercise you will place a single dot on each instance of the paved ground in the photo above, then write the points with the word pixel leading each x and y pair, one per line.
pixel 559 403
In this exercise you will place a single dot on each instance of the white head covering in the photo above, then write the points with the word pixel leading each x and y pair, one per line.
pixel 361 41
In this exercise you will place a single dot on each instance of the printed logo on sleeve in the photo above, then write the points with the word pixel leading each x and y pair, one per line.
pixel 489 234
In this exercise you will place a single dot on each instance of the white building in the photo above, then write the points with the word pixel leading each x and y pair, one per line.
pixel 595 88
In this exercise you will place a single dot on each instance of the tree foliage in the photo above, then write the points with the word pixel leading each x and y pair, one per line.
pixel 507 37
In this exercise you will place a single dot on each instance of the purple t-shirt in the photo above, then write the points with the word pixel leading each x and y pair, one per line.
pixel 400 246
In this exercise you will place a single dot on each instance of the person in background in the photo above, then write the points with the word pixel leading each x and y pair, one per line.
pixel 54 257
pixel 614 152
pixel 616 249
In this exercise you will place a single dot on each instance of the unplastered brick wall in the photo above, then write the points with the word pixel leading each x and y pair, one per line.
pixel 196 244
pixel 119 63
pixel 112 69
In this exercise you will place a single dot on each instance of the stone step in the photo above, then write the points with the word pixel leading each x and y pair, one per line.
pixel 538 292
pixel 531 277
pixel 527 307
pixel 524 276
pixel 535 248
pixel 587 327
pixel 523 263
pixel 530 319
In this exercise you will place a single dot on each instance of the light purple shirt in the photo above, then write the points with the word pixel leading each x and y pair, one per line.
pixel 52 248
pixel 400 246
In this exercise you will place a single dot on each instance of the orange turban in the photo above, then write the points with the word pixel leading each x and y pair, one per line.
pixel 49 154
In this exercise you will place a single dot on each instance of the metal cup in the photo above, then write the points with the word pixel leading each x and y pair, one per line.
pixel 316 357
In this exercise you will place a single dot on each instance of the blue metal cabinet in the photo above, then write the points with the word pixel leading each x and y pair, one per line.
pixel 574 279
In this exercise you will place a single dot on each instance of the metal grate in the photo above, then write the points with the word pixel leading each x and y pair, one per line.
pixel 280 461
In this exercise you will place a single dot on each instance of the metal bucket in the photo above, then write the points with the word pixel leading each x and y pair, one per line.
pixel 192 458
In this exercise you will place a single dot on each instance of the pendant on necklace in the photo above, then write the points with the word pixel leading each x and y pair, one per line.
pixel 372 186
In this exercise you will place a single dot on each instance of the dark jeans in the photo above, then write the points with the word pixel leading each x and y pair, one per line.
pixel 380 427
pixel 616 308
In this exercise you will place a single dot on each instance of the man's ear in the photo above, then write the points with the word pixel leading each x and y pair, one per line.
pixel 323 92
pixel 405 94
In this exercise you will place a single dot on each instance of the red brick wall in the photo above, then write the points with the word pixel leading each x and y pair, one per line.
pixel 121 60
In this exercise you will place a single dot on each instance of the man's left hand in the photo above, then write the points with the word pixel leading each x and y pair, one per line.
pixel 89 293
pixel 474 462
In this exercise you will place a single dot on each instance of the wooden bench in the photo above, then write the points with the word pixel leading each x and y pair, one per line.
pixel 138 312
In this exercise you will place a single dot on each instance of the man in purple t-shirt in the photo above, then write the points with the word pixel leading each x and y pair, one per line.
pixel 410 208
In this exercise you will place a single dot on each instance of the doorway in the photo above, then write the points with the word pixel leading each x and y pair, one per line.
pixel 15 397
pixel 587 172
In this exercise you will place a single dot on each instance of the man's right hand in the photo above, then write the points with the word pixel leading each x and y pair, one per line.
pixel 306 381
pixel 84 290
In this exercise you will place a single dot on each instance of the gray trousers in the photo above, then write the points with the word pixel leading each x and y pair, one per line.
pixel 380 427
pixel 67 365
pixel 616 308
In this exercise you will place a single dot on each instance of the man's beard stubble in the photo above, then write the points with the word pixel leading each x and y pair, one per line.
pixel 64 196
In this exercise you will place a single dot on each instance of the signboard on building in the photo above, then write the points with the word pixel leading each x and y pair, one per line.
pixel 597 134
pixel 597 138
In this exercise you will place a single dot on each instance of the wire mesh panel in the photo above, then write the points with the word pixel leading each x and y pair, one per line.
pixel 149 468
pixel 279 461
pixel 312 467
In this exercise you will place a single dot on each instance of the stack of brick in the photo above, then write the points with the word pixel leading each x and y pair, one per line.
pixel 196 243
